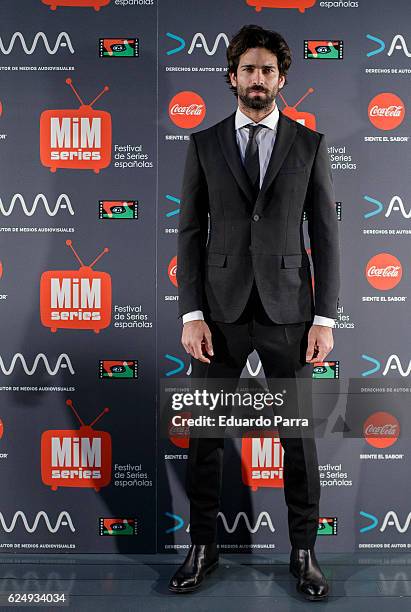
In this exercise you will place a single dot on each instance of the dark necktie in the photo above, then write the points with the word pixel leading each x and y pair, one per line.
pixel 251 157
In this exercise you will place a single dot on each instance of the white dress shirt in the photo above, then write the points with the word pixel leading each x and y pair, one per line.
pixel 265 140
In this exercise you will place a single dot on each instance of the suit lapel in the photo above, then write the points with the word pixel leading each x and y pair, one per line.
pixel 286 131
pixel 227 138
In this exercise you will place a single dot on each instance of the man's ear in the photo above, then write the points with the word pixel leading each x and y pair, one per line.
pixel 233 78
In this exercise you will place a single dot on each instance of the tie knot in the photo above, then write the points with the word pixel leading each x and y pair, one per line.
pixel 254 129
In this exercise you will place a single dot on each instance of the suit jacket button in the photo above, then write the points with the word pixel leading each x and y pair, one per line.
pixel 256 217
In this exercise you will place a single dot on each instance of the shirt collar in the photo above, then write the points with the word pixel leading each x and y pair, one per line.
pixel 270 121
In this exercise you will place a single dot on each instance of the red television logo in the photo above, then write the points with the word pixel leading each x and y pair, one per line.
pixel 301 5
pixel 76 299
pixel 307 119
pixel 262 461
pixel 76 457
pixel 97 4
pixel 76 138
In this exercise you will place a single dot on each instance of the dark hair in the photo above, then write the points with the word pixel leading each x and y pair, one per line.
pixel 251 36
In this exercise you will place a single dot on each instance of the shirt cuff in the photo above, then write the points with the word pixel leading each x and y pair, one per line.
pixel 323 321
pixel 194 315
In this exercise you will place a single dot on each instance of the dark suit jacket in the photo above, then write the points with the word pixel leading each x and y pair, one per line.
pixel 227 238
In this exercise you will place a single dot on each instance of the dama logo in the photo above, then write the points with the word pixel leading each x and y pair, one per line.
pixel 381 429
pixel 390 520
pixel 393 364
pixel 187 109
pixel 307 119
pixel 76 138
pixel 63 363
pixel 172 271
pixel 397 44
pixel 96 4
pixel 396 204
pixel 62 41
pixel 174 201
pixel 1 429
pixel 63 520
pixel 76 457
pixel 386 111
pixel 198 42
pixel 301 5
pixel 383 271
pixel 1 269
pixel 62 202
pixel 262 461
pixel 262 520
pixel 76 299
pixel 180 435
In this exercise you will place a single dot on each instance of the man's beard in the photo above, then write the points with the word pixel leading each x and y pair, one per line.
pixel 257 102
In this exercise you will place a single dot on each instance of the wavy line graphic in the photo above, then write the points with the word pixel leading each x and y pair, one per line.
pixel 259 522
pixel 32 581
pixel 40 197
pixel 41 514
pixel 250 369
pixel 391 519
pixel 39 357
pixel 204 45
pixel 40 35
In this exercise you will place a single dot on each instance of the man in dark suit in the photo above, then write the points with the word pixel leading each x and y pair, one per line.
pixel 244 282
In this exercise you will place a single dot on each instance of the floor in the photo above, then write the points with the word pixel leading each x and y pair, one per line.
pixel 241 582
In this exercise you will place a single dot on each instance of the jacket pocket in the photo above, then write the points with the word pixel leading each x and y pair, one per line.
pixel 216 259
pixel 297 260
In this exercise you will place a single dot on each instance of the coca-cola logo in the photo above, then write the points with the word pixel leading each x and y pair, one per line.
pixel 192 109
pixel 180 436
pixel 386 111
pixel 187 109
pixel 383 271
pixel 387 271
pixel 172 271
pixel 381 429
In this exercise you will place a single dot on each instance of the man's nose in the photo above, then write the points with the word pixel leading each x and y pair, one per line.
pixel 258 77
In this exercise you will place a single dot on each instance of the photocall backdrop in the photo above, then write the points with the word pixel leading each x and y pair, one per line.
pixel 98 99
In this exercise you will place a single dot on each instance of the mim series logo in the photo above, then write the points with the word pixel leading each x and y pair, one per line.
pixel 262 462
pixel 301 5
pixel 307 119
pixel 76 457
pixel 76 299
pixel 96 4
pixel 76 138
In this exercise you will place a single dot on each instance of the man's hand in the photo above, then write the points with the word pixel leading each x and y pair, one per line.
pixel 320 343
pixel 195 338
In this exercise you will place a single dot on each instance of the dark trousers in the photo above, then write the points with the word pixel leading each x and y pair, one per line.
pixel 282 350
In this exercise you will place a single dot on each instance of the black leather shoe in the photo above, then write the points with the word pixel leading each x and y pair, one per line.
pixel 311 581
pixel 200 561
